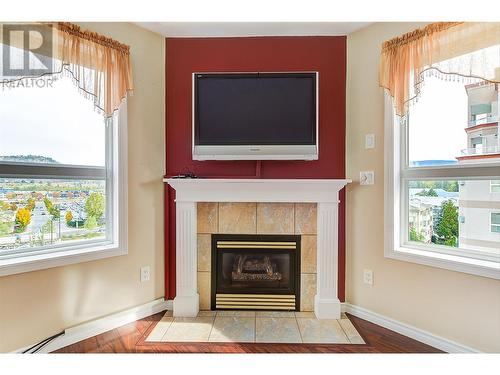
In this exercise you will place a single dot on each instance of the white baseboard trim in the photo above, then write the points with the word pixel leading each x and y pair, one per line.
pixel 407 330
pixel 101 325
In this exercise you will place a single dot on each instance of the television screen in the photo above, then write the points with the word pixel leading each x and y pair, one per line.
pixel 255 109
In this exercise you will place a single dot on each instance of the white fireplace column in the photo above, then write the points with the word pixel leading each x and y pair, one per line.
pixel 187 300
pixel 326 302
pixel 323 192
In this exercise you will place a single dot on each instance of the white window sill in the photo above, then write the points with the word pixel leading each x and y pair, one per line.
pixel 36 262
pixel 450 262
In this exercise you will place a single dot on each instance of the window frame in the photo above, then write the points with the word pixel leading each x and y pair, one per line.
pixel 396 177
pixel 115 174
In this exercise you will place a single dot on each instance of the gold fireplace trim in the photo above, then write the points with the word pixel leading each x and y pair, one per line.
pixel 255 301
pixel 255 245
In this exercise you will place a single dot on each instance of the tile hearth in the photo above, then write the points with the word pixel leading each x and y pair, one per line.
pixel 255 326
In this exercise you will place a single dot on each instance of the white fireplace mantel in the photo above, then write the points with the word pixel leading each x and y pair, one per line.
pixel 324 192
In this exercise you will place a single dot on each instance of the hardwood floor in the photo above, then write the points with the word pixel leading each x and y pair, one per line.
pixel 130 339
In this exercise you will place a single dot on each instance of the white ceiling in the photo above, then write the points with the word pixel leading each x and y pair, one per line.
pixel 242 29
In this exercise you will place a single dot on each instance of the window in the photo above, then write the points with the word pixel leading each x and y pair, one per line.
pixel 440 174
pixel 495 186
pixel 495 222
pixel 61 178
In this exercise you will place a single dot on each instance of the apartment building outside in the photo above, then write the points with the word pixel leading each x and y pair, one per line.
pixel 420 219
pixel 479 200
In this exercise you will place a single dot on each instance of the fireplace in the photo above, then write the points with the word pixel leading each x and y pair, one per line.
pixel 257 272
pixel 321 277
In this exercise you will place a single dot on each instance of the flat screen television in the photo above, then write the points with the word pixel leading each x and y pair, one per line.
pixel 255 116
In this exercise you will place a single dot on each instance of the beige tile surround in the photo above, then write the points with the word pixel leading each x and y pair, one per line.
pixel 255 326
pixel 258 218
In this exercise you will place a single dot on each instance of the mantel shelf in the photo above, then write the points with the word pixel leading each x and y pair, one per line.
pixel 256 190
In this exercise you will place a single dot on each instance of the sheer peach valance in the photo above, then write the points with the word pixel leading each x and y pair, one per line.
pixel 450 50
pixel 98 65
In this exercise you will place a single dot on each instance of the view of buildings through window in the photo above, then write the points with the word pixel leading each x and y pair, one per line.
pixel 46 212
pixel 455 124
pixel 60 128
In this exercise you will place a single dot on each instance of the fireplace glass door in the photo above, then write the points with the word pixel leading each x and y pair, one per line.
pixel 251 271
pixel 255 265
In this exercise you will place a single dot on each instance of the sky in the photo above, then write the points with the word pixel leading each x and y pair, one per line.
pixel 438 120
pixel 37 121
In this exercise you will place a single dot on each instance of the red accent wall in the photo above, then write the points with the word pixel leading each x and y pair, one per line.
pixel 327 55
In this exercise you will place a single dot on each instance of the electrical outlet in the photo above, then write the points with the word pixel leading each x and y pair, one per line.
pixel 145 273
pixel 369 141
pixel 366 178
pixel 368 277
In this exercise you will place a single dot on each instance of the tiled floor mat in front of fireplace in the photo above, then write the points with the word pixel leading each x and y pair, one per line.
pixel 255 326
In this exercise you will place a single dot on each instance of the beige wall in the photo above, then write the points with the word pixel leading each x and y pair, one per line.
pixel 38 304
pixel 456 306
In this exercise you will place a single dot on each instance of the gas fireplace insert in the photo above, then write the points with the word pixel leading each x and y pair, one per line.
pixel 255 272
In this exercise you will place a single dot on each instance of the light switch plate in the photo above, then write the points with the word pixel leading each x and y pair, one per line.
pixel 366 178
pixel 369 141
